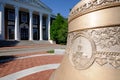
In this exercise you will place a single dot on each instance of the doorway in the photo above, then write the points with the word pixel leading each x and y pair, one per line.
pixel 24 31
pixel 11 31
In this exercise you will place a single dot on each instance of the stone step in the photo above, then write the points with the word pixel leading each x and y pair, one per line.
pixel 7 43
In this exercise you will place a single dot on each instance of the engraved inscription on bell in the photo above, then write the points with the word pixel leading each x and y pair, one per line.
pixel 81 52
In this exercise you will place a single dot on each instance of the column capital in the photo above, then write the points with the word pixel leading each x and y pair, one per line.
pixel 16 7
pixel 49 14
pixel 30 10
pixel 41 13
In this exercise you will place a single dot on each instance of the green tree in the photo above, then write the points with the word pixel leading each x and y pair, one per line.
pixel 59 29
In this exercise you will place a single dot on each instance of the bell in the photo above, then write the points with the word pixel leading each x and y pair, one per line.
pixel 93 45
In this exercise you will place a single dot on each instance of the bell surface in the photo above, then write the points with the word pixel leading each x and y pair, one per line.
pixel 93 45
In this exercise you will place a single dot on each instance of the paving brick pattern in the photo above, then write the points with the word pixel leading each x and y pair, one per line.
pixel 21 64
pixel 16 65
pixel 44 75
pixel 32 53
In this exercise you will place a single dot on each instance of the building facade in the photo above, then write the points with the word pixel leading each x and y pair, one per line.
pixel 24 20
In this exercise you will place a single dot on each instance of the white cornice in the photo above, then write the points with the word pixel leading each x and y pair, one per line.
pixel 29 4
pixel 36 3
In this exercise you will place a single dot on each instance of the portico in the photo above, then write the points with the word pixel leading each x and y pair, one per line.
pixel 24 20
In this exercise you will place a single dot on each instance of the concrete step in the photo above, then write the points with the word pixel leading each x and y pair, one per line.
pixel 7 43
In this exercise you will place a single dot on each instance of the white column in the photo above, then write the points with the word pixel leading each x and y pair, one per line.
pixel 48 27
pixel 2 29
pixel 41 32
pixel 17 32
pixel 30 25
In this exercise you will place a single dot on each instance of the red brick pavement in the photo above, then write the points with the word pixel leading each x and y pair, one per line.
pixel 32 53
pixel 21 64
pixel 44 75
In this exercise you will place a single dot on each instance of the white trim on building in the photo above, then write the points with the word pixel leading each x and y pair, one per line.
pixel 30 7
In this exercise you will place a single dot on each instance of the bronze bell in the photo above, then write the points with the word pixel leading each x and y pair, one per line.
pixel 93 46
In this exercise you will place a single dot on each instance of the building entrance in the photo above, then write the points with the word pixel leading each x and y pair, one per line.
pixel 24 34
pixel 35 34
pixel 11 30
pixel 24 31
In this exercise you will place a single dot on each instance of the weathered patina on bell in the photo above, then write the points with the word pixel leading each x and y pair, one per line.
pixel 93 46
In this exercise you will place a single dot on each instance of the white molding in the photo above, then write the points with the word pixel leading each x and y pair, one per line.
pixel 27 5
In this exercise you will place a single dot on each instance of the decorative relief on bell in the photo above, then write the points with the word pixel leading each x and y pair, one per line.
pixel 87 6
pixel 101 46
pixel 107 37
pixel 82 51
pixel 108 58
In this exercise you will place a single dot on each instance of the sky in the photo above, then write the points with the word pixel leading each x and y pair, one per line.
pixel 60 6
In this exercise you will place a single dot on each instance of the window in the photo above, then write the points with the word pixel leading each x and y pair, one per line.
pixel 24 17
pixel 11 15
pixel 35 34
pixel 35 19
pixel 44 22
pixel 11 32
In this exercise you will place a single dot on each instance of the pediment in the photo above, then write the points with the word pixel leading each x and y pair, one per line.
pixel 36 3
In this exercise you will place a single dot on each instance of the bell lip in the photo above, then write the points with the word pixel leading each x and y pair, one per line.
pixel 76 12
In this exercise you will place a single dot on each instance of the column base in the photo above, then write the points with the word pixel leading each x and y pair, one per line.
pixel 52 42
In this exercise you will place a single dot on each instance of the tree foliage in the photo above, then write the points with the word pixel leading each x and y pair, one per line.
pixel 59 29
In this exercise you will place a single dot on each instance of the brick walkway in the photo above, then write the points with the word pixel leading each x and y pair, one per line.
pixel 21 64
pixel 44 75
